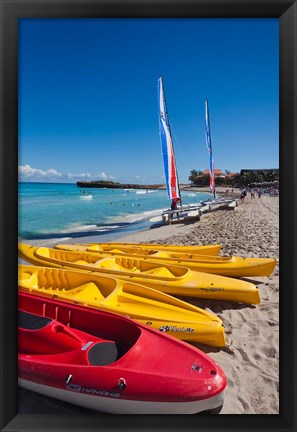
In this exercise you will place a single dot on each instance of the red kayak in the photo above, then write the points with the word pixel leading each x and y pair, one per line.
pixel 110 363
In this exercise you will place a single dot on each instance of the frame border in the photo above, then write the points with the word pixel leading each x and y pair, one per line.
pixel 11 11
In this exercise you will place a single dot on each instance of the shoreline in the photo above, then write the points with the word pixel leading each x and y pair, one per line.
pixel 127 231
pixel 250 358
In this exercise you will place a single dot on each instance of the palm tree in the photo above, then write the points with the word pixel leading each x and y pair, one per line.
pixel 193 175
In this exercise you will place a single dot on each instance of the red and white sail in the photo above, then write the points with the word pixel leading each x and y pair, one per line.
pixel 167 146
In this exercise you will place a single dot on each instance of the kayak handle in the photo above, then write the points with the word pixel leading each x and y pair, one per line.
pixel 122 383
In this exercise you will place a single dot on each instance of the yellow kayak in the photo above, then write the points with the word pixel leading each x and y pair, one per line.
pixel 145 305
pixel 210 249
pixel 175 280
pixel 135 250
pixel 233 266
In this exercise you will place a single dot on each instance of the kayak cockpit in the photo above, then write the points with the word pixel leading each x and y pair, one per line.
pixel 43 336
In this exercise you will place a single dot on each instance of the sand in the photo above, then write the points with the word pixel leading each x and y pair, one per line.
pixel 251 358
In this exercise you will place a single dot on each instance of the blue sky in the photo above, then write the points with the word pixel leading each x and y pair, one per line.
pixel 88 106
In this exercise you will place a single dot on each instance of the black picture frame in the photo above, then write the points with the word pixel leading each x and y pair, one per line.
pixel 11 11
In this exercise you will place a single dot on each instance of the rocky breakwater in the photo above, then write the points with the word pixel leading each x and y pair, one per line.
pixel 113 185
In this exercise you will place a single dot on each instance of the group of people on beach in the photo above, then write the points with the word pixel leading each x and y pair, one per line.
pixel 243 193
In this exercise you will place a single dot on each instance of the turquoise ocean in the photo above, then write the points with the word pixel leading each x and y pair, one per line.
pixel 65 211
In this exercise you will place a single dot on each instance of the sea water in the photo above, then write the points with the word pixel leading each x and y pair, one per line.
pixel 60 210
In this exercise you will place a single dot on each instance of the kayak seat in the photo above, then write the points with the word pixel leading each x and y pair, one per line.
pixel 88 291
pixel 103 353
pixel 43 251
pixel 116 251
pixel 129 264
pixel 111 264
pixel 160 254
pixel 29 280
pixel 83 262
pixel 160 271
pixel 32 322
pixel 108 264
pixel 96 248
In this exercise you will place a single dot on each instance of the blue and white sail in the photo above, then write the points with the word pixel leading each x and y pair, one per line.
pixel 167 146
pixel 209 146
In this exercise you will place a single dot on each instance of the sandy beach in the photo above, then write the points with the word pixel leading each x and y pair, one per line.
pixel 251 358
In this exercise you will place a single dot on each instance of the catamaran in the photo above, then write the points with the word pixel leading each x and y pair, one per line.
pixel 216 201
pixel 171 177
pixel 170 170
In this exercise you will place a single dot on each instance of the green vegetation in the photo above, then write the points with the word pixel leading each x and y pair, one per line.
pixel 193 175
pixel 244 178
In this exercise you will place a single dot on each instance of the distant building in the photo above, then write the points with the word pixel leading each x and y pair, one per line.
pixel 217 173
pixel 231 175
pixel 220 177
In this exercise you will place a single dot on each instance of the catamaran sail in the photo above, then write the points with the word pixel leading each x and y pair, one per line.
pixel 218 202
pixel 167 146
pixel 172 185
pixel 209 146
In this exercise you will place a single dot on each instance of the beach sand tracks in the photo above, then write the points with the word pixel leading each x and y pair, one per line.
pixel 251 357
pixel 255 221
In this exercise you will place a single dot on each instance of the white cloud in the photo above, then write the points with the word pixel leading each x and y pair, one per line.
pixel 141 180
pixel 80 176
pixel 53 172
pixel 104 176
pixel 26 172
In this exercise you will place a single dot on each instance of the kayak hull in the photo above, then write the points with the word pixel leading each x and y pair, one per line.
pixel 145 305
pixel 173 280
pixel 118 406
pixel 62 354
pixel 211 249
pixel 234 266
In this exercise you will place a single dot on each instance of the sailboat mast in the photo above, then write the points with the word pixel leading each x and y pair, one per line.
pixel 171 176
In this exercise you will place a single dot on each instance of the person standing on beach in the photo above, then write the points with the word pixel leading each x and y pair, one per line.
pixel 242 195
pixel 259 192
pixel 174 207
pixel 252 193
pixel 174 203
